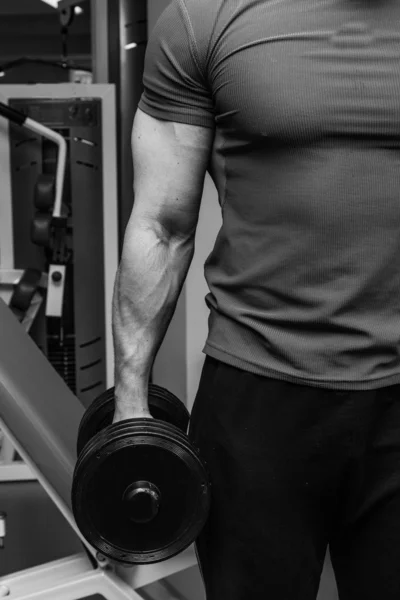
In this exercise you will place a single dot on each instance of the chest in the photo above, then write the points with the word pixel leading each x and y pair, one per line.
pixel 308 74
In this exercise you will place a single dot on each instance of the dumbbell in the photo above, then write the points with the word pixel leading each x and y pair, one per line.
pixel 140 492
pixel 163 405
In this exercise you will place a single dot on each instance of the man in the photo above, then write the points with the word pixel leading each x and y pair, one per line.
pixel 294 108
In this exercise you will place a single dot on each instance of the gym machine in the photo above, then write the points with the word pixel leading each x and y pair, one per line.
pixel 60 290
pixel 78 268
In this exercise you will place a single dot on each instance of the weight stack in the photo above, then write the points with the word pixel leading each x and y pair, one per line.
pixel 75 344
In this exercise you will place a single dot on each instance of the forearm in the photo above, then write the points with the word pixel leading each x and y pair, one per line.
pixel 150 278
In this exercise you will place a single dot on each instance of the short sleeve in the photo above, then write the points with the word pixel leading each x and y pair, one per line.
pixel 175 87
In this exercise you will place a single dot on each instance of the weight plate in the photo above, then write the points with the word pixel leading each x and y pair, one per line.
pixel 141 426
pixel 139 450
pixel 45 192
pixel 163 406
pixel 25 290
pixel 41 229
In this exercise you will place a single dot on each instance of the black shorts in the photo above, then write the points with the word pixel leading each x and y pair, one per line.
pixel 294 468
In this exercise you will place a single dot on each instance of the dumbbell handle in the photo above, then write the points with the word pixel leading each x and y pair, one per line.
pixel 142 501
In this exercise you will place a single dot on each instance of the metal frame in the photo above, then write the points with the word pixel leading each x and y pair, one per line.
pixel 67 579
pixel 11 470
pixel 61 161
pixel 106 92
pixel 74 578
pixel 99 27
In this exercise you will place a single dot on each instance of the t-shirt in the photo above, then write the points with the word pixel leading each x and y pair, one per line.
pixel 304 96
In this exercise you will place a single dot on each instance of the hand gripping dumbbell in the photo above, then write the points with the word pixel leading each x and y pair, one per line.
pixel 140 492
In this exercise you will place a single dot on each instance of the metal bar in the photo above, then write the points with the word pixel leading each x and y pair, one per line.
pixel 99 32
pixel 61 159
pixel 13 276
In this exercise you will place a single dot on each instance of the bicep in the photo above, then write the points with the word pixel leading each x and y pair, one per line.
pixel 170 161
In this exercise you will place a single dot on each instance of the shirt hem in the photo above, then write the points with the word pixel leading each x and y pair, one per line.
pixel 241 363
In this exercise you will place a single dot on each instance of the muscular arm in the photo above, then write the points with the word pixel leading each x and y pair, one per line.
pixel 170 162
